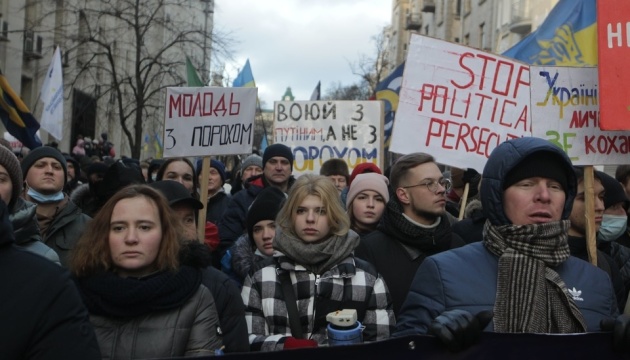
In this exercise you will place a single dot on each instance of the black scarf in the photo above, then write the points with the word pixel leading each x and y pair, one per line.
pixel 430 241
pixel 531 296
pixel 108 294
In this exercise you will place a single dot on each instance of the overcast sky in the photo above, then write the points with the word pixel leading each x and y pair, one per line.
pixel 297 43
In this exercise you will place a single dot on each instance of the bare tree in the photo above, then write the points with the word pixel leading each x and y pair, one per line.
pixel 373 69
pixel 126 52
pixel 338 91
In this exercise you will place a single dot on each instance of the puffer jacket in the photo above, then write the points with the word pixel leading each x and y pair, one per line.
pixel 65 230
pixel 242 259
pixel 26 230
pixel 350 281
pixel 466 279
pixel 159 333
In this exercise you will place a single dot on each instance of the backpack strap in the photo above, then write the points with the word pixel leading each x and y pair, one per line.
pixel 291 302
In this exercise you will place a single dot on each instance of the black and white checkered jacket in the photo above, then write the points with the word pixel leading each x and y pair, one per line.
pixel 353 283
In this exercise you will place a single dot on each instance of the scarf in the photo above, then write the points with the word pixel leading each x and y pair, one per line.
pixel 531 296
pixel 108 294
pixel 316 257
pixel 430 241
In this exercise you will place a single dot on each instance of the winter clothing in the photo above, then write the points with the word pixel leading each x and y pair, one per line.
pixel 521 272
pixel 470 228
pixel 12 165
pixel 254 160
pixel 614 191
pixel 369 181
pixel 217 205
pixel 349 284
pixel 265 207
pixel 335 167
pixel 243 259
pixel 277 150
pixel 541 164
pixel 85 199
pixel 41 310
pixel 42 152
pixel 216 164
pixel 363 168
pixel 176 193
pixel 26 230
pixel 397 248
pixel 117 176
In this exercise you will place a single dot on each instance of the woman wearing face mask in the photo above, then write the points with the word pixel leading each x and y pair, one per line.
pixel 614 226
pixel 316 263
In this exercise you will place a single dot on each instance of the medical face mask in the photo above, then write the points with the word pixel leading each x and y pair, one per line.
pixel 612 227
pixel 44 199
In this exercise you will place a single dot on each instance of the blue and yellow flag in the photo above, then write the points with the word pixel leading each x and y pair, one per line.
pixel 567 37
pixel 388 91
pixel 16 117
pixel 245 78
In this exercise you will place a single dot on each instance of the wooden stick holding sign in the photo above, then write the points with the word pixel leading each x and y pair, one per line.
pixel 589 213
pixel 203 197
pixel 463 201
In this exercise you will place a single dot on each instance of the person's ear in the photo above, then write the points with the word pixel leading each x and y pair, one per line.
pixel 403 196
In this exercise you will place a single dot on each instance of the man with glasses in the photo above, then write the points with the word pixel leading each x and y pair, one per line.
pixel 414 224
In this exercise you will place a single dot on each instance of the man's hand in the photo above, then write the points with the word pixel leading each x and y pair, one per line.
pixel 459 329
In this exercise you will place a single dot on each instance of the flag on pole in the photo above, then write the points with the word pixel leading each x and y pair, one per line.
pixel 191 75
pixel 16 117
pixel 317 93
pixel 245 78
pixel 388 91
pixel 52 97
pixel 567 37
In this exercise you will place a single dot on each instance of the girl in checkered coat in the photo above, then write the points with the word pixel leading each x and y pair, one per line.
pixel 315 253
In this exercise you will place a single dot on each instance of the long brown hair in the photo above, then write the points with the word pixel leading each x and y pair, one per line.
pixel 92 254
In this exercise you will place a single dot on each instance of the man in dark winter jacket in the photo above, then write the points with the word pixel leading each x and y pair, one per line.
pixel 60 221
pixel 227 296
pixel 277 168
pixel 42 314
pixel 521 277
pixel 414 224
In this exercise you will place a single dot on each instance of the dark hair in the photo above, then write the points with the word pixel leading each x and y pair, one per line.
pixel 401 167
pixel 162 169
pixel 622 174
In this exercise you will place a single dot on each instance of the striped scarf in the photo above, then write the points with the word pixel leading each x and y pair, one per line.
pixel 531 296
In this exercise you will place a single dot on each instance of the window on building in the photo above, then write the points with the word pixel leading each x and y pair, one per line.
pixel 482 36
pixel 467 39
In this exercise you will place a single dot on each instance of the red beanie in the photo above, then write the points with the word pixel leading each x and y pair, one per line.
pixel 362 169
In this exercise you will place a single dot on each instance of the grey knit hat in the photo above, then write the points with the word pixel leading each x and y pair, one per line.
pixel 11 163
pixel 251 160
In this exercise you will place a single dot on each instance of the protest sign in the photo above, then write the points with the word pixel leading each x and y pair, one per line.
pixel 202 121
pixel 458 103
pixel 565 110
pixel 320 130
pixel 613 48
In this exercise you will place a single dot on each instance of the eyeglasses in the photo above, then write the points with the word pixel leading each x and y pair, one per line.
pixel 433 186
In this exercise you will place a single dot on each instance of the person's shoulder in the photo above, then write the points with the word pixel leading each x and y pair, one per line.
pixel 470 252
pixel 35 268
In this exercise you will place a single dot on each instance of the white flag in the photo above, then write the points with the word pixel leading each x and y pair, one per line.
pixel 52 97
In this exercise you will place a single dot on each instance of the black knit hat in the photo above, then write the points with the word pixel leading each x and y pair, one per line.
pixel 278 150
pixel 117 176
pixel 265 207
pixel 42 152
pixel 539 164
pixel 176 193
pixel 11 163
pixel 614 192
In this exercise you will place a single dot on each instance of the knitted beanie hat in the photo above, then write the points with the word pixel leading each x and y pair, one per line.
pixel 278 150
pixel 252 160
pixel 363 168
pixel 218 165
pixel 11 163
pixel 42 152
pixel 335 167
pixel 614 191
pixel 369 181
pixel 265 207
pixel 539 164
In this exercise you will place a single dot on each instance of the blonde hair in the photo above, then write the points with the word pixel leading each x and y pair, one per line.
pixel 323 188
pixel 92 254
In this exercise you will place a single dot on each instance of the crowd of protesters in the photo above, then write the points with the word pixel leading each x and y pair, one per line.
pixel 103 259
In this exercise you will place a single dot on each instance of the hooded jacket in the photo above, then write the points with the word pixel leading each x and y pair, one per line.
pixel 466 278
pixel 26 230
pixel 44 315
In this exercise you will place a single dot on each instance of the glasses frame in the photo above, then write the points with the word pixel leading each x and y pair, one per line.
pixel 447 185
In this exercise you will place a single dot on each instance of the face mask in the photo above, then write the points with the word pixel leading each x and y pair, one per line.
pixel 44 199
pixel 612 227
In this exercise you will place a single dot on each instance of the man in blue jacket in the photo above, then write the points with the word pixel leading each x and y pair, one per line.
pixel 521 277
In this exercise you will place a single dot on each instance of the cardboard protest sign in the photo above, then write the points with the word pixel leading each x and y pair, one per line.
pixel 565 110
pixel 202 121
pixel 458 103
pixel 320 130
pixel 613 49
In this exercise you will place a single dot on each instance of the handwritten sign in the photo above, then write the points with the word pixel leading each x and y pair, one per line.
pixel 565 111
pixel 203 121
pixel 320 130
pixel 458 103
pixel 613 49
